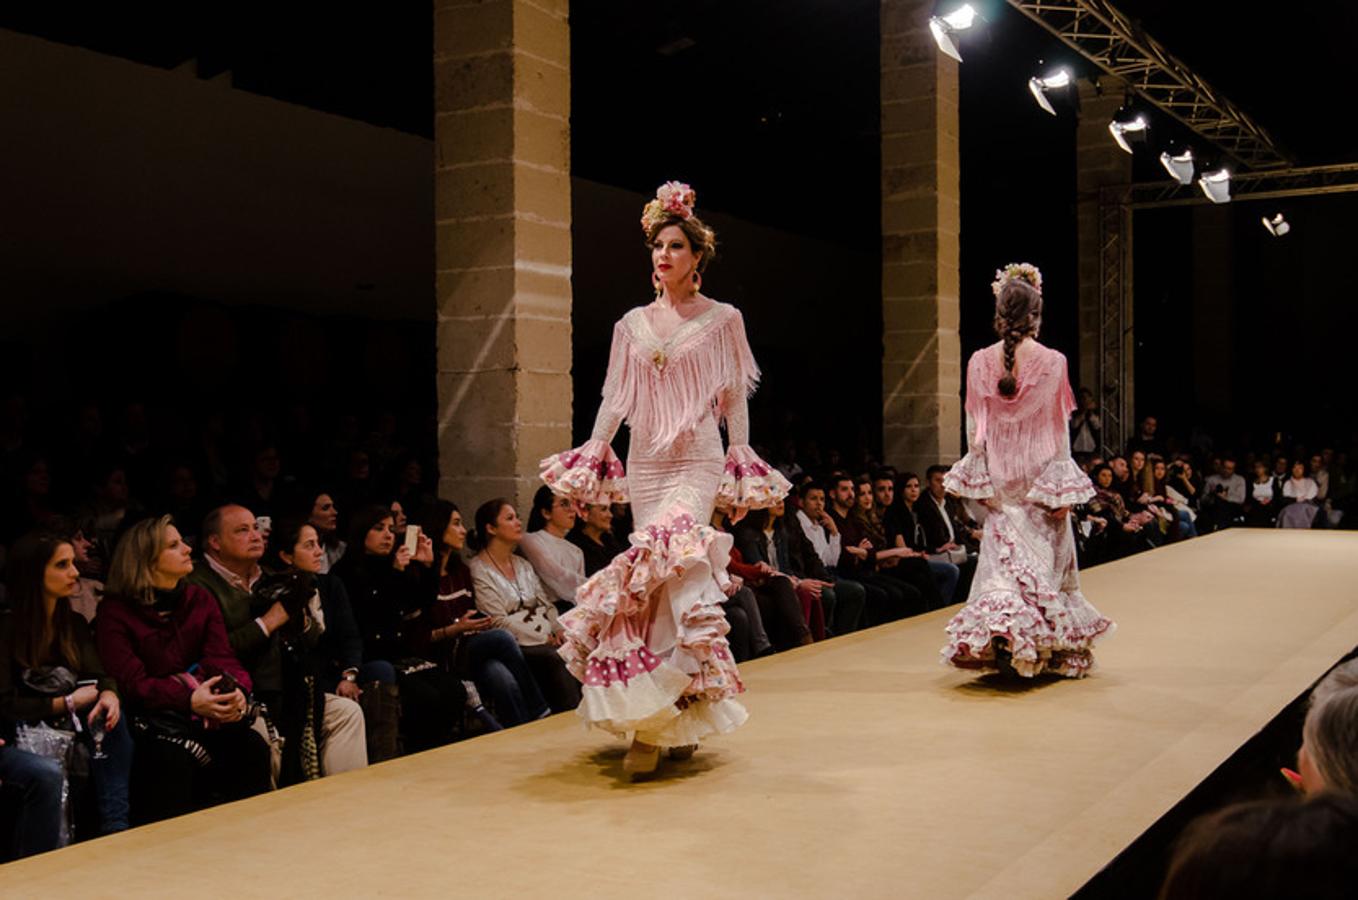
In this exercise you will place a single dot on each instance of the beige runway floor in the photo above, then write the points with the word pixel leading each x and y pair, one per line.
pixel 866 769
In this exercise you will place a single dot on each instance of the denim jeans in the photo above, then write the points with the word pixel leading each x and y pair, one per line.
pixel 496 664
pixel 946 574
pixel 34 783
pixel 111 777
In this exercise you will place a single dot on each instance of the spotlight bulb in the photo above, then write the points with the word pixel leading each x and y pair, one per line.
pixel 1039 86
pixel 1216 184
pixel 945 28
pixel 1180 167
pixel 1129 132
pixel 1277 226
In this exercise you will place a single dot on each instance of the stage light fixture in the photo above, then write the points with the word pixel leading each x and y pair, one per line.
pixel 1052 81
pixel 1216 184
pixel 1180 166
pixel 945 27
pixel 1276 226
pixel 1128 127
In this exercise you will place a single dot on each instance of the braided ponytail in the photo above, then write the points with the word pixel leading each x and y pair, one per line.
pixel 1018 313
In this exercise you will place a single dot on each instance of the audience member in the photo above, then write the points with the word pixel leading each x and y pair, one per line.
pixel 387 594
pixel 1262 500
pixel 944 571
pixel 559 563
pixel 761 538
pixel 1299 507
pixel 593 534
pixel 324 517
pixel 1086 425
pixel 510 592
pixel 888 599
pixel 1268 849
pixel 33 788
pixel 895 560
pixel 163 641
pixel 322 654
pixel 464 640
pixel 1328 759
pixel 50 670
pixel 824 541
pixel 1224 496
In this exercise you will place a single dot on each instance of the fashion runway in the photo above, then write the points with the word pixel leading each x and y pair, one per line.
pixel 866 769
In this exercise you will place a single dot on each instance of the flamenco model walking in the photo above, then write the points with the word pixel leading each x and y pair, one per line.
pixel 1025 612
pixel 646 636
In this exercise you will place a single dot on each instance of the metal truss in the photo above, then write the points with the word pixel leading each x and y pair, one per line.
pixel 1265 185
pixel 1108 38
pixel 1115 318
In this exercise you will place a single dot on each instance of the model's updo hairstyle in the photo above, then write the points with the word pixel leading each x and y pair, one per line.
pixel 1018 315
pixel 701 238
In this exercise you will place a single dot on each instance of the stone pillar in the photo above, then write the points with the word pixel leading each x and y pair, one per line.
pixel 1099 163
pixel 921 224
pixel 503 244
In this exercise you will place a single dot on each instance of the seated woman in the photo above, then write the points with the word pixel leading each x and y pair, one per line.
pixel 465 641
pixel 593 534
pixel 1261 498
pixel 779 609
pixel 322 661
pixel 1122 530
pixel 324 517
pixel 946 574
pixel 559 563
pixel 510 592
pixel 164 643
pixel 1299 498
pixel 50 671
pixel 1181 526
pixel 891 560
pixel 386 592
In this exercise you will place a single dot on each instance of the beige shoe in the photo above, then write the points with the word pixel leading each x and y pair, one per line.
pixel 683 752
pixel 639 763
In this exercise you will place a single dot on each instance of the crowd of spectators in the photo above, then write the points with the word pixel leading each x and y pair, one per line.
pixel 191 618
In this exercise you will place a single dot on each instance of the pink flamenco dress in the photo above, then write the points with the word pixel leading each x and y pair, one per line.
pixel 1026 591
pixel 647 635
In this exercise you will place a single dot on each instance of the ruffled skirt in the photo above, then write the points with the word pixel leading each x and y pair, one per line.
pixel 1026 593
pixel 647 636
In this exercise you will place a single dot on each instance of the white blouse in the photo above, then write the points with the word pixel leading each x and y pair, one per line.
pixel 1262 490
pixel 559 563
pixel 1300 489
pixel 521 607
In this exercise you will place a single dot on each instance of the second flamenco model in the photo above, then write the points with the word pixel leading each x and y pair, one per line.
pixel 1025 612
pixel 647 635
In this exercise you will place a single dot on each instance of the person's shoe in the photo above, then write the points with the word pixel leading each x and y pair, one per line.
pixel 1004 658
pixel 639 763
pixel 684 752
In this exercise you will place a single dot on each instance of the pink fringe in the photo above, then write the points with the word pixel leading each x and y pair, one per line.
pixel 664 394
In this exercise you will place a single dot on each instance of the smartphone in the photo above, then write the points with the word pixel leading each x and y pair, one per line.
pixel 412 538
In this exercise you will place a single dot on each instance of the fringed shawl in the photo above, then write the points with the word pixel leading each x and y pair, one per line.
pixel 664 389
pixel 1022 433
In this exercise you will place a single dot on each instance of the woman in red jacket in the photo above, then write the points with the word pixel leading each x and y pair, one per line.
pixel 184 689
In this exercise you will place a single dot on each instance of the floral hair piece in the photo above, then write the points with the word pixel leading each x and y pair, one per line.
pixel 1025 271
pixel 673 199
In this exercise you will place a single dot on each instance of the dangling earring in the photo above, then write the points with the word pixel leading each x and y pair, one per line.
pixel 697 281
pixel 656 283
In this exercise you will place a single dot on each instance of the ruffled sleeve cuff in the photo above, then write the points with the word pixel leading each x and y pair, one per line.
pixel 1062 483
pixel 969 477
pixel 748 482
pixel 591 473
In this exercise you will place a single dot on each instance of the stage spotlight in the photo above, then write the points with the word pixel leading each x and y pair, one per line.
pixel 944 28
pixel 1277 226
pixel 1216 184
pixel 1052 81
pixel 1179 167
pixel 1128 128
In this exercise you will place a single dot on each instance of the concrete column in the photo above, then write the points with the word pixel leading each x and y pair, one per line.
pixel 1100 163
pixel 921 224
pixel 503 243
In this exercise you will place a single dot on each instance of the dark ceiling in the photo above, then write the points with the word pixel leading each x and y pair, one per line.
pixel 755 101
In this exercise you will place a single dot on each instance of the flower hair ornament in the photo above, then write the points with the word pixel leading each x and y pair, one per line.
pixel 673 199
pixel 1017 271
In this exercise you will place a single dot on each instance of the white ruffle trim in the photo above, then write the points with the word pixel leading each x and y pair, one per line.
pixel 970 477
pixel 591 473
pixel 1062 483
pixel 747 482
pixel 694 724
pixel 623 707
